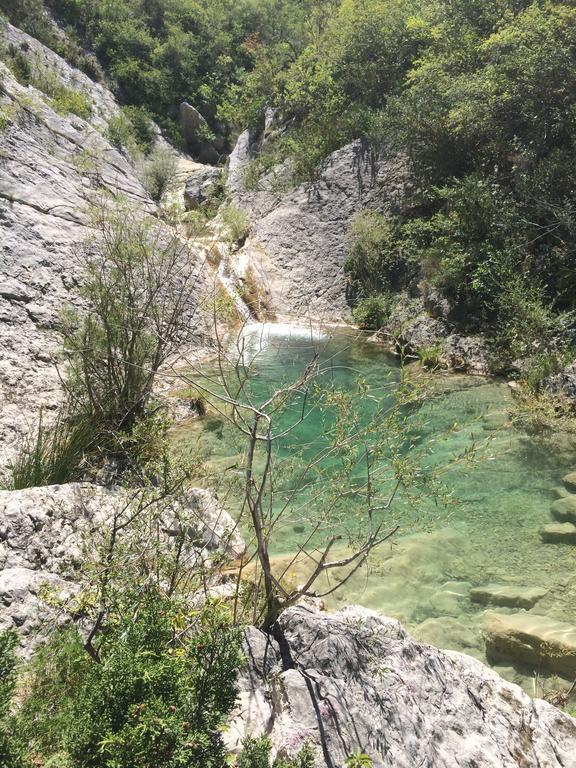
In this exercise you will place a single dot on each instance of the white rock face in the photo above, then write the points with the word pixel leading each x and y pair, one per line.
pixel 355 682
pixel 52 167
pixel 45 533
pixel 299 239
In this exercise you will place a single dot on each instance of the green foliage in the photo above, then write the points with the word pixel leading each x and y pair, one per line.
pixel 236 223
pixel 55 454
pixel 132 129
pixel 11 750
pixel 256 754
pixel 376 264
pixel 158 173
pixel 68 101
pixel 370 314
pixel 164 682
pixel 359 760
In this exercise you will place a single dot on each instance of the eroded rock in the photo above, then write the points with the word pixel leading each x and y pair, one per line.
pixel 355 682
pixel 559 533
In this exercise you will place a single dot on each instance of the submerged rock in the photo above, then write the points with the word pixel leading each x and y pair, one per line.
pixel 559 533
pixel 508 595
pixel 539 641
pixel 356 682
pixel 564 510
pixel 569 481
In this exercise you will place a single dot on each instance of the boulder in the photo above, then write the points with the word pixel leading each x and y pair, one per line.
pixel 560 492
pixel 508 595
pixel 569 481
pixel 194 126
pixel 196 133
pixel 538 641
pixel 200 186
pixel 564 510
pixel 558 533
pixel 356 682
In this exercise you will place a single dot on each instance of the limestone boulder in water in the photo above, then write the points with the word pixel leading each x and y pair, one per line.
pixel 564 510
pixel 539 641
pixel 508 595
pixel 558 533
pixel 356 682
pixel 569 481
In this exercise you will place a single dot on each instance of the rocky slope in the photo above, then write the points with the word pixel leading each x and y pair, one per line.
pixel 356 682
pixel 51 167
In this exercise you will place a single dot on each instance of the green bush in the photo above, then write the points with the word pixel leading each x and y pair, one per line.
pixel 158 173
pixel 132 129
pixel 371 314
pixel 160 690
pixel 236 223
pixel 376 262
pixel 11 750
pixel 256 754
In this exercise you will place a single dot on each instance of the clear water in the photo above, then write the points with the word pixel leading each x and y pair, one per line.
pixel 487 533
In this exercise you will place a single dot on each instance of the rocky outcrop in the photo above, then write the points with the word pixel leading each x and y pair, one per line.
pixel 422 328
pixel 355 682
pixel 46 534
pixel 299 238
pixel 52 167
pixel 563 383
pixel 201 186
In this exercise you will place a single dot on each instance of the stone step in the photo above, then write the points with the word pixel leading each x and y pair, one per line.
pixel 535 640
pixel 508 595
pixel 559 533
pixel 569 481
pixel 564 510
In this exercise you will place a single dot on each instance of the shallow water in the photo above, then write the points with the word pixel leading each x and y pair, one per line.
pixel 501 481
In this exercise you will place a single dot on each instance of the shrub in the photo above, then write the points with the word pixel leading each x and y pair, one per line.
pixel 236 223
pixel 132 129
pixel 68 101
pixel 164 682
pixel 376 263
pixel 256 754
pixel 11 750
pixel 372 313
pixel 158 173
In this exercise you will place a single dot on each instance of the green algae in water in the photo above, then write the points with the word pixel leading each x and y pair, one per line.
pixel 490 535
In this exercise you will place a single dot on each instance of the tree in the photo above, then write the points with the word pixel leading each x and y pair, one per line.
pixel 140 286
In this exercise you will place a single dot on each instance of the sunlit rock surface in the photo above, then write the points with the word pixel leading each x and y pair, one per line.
pixel 356 682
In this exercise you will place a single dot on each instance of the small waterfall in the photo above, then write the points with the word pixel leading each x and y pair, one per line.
pixel 229 282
